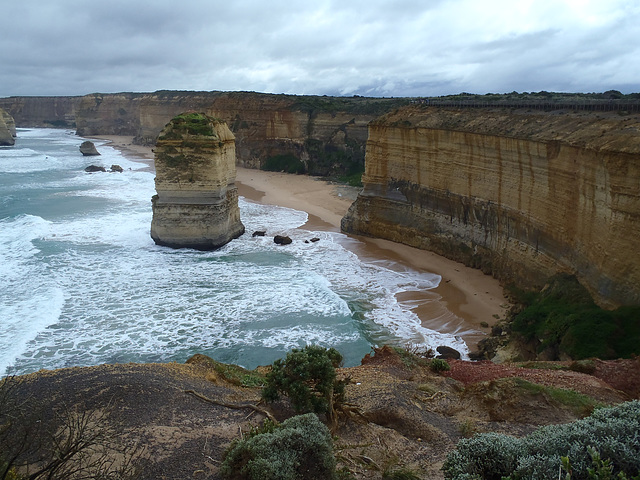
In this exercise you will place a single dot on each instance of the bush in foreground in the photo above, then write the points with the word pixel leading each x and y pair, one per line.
pixel 298 448
pixel 614 432
pixel 308 377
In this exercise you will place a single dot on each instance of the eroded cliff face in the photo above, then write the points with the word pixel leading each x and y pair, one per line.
pixel 7 129
pixel 326 133
pixel 196 205
pixel 56 112
pixel 520 195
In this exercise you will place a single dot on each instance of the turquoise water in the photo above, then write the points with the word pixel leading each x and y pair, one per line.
pixel 84 284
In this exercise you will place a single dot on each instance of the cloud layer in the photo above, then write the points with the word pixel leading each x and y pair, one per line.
pixel 373 47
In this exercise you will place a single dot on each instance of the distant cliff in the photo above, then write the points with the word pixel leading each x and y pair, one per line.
pixel 47 112
pixel 327 134
pixel 522 195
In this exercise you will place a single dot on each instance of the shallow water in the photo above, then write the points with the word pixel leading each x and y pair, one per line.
pixel 84 284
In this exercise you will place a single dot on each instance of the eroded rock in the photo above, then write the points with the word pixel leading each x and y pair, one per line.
pixel 88 149
pixel 196 205
pixel 7 128
pixel 282 240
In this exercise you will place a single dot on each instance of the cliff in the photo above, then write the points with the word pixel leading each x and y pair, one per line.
pixel 7 129
pixel 328 134
pixel 522 195
pixel 46 112
pixel 197 201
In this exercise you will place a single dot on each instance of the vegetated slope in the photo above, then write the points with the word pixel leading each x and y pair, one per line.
pixel 409 416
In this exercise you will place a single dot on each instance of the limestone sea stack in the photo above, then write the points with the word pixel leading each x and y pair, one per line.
pixel 7 129
pixel 196 205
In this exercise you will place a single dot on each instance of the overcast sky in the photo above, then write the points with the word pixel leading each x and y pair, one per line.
pixel 318 47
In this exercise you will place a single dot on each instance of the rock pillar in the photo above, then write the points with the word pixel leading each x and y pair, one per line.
pixel 7 128
pixel 196 205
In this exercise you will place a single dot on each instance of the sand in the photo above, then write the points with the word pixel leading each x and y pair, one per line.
pixel 466 303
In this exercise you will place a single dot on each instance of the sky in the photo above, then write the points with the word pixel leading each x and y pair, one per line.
pixel 382 48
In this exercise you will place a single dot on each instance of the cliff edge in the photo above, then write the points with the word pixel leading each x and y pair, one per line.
pixel 522 195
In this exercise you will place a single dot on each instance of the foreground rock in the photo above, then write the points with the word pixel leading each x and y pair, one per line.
pixel 95 168
pixel 7 129
pixel 196 205
pixel 88 149
pixel 407 415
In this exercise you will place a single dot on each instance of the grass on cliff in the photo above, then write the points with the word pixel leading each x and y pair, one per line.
pixel 564 319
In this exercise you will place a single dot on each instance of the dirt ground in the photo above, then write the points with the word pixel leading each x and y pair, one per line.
pixel 407 416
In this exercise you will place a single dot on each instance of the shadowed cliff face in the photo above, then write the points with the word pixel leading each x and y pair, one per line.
pixel 327 134
pixel 520 195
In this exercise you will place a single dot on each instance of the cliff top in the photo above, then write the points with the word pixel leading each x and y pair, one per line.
pixel 409 415
pixel 195 124
pixel 613 131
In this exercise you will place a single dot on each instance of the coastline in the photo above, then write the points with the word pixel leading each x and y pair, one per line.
pixel 464 300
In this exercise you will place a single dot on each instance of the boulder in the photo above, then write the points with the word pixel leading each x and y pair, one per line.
pixel 448 353
pixel 259 233
pixel 88 149
pixel 116 168
pixel 282 240
pixel 95 168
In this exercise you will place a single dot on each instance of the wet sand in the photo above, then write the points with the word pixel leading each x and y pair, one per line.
pixel 465 299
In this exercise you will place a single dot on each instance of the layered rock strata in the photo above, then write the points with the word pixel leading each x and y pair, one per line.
pixel 7 128
pixel 521 195
pixel 46 112
pixel 196 205
pixel 326 134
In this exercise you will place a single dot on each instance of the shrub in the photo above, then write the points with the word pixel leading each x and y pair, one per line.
pixel 614 432
pixel 439 365
pixel 564 318
pixel 488 456
pixel 308 377
pixel 299 448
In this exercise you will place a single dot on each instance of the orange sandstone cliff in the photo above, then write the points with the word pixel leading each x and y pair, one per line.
pixel 519 194
pixel 327 134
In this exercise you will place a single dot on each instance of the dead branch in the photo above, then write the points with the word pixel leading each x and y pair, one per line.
pixel 235 406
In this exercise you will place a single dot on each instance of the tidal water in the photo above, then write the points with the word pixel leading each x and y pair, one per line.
pixel 82 283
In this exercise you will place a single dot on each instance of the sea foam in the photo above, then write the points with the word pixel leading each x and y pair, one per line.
pixel 89 286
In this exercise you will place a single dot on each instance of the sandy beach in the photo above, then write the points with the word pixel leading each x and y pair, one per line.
pixel 466 298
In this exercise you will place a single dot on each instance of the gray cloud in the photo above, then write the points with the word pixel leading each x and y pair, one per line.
pixel 374 47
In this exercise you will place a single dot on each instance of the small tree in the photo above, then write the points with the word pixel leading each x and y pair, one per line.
pixel 308 377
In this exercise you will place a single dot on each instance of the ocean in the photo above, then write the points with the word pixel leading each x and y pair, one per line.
pixel 82 283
